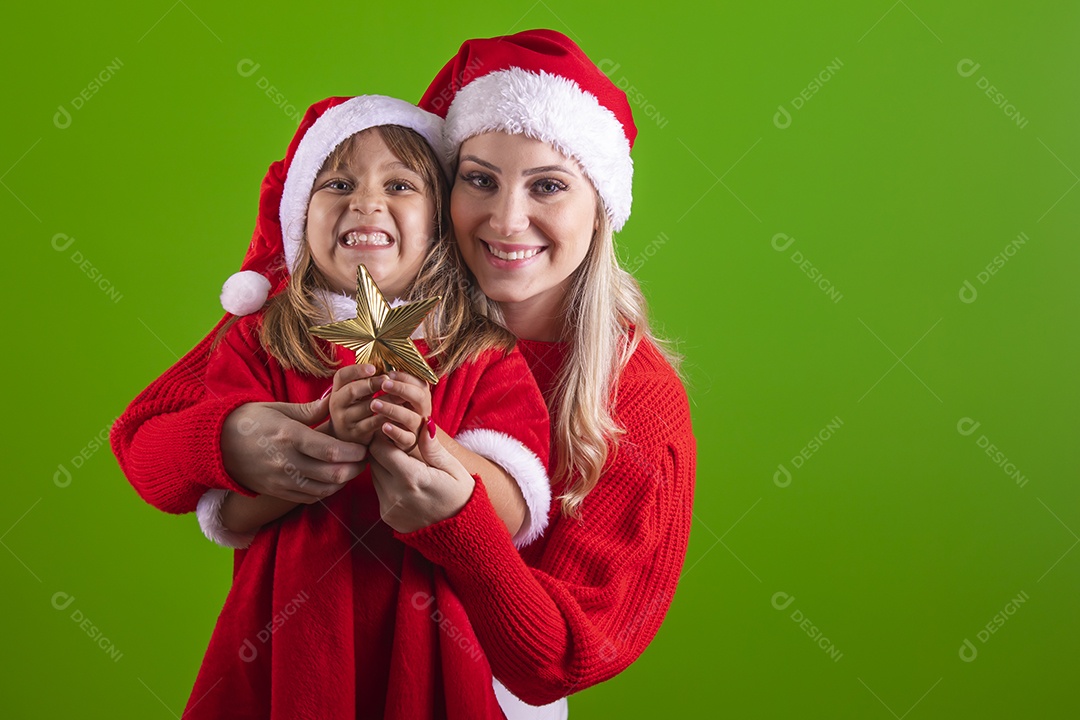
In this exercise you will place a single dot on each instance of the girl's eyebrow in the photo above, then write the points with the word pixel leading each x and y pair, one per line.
pixel 396 165
pixel 399 165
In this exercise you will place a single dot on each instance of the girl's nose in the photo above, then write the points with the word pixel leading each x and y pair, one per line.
pixel 510 216
pixel 365 201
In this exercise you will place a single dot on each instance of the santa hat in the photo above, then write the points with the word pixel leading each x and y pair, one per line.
pixel 539 83
pixel 286 190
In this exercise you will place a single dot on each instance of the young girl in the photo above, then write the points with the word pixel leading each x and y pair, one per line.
pixel 329 615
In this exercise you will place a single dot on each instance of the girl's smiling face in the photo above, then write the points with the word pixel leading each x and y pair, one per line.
pixel 370 208
pixel 524 215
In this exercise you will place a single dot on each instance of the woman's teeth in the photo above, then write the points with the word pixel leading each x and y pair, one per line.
pixel 354 238
pixel 517 255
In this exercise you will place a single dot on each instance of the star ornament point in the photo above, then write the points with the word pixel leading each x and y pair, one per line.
pixel 380 334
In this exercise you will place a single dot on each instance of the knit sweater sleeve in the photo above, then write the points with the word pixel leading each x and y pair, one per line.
pixel 583 608
pixel 168 441
pixel 507 423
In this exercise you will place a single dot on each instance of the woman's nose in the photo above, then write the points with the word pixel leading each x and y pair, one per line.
pixel 510 216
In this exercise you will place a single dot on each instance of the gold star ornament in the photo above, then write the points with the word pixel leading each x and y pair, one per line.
pixel 379 334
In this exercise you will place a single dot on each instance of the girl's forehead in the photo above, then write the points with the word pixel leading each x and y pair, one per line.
pixel 364 150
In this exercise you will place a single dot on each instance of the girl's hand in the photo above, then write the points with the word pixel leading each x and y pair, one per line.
pixel 351 418
pixel 402 409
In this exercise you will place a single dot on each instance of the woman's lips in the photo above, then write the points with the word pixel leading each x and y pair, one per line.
pixel 513 253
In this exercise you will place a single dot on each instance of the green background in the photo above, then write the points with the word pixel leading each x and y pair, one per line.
pixel 899 180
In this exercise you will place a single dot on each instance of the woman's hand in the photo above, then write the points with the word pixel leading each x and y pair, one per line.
pixel 351 416
pixel 416 493
pixel 270 449
pixel 405 404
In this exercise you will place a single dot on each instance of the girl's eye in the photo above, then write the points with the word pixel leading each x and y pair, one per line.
pixel 400 186
pixel 549 186
pixel 479 180
pixel 337 184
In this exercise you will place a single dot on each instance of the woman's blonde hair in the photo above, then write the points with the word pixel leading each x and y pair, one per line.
pixel 605 319
pixel 454 330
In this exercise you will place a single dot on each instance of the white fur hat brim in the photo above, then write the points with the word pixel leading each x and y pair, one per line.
pixel 556 110
pixel 335 126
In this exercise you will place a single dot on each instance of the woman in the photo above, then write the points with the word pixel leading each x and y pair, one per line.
pixel 543 180
pixel 541 141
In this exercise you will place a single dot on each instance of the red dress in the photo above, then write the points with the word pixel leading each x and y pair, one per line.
pixel 329 615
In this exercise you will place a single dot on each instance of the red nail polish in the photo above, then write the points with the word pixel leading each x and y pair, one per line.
pixel 431 428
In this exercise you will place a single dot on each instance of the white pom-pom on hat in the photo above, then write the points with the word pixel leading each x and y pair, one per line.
pixel 244 292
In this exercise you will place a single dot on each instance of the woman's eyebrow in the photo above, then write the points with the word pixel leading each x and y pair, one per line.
pixel 484 163
pixel 548 168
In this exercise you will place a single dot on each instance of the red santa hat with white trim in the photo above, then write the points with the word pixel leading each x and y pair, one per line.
pixel 539 83
pixel 286 190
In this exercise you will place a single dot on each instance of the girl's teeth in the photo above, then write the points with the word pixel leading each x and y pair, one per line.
pixel 517 255
pixel 353 239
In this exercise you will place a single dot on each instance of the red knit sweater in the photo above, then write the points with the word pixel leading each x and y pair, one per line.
pixel 582 603
pixel 168 441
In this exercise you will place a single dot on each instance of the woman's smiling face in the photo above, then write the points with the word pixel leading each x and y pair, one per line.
pixel 524 216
